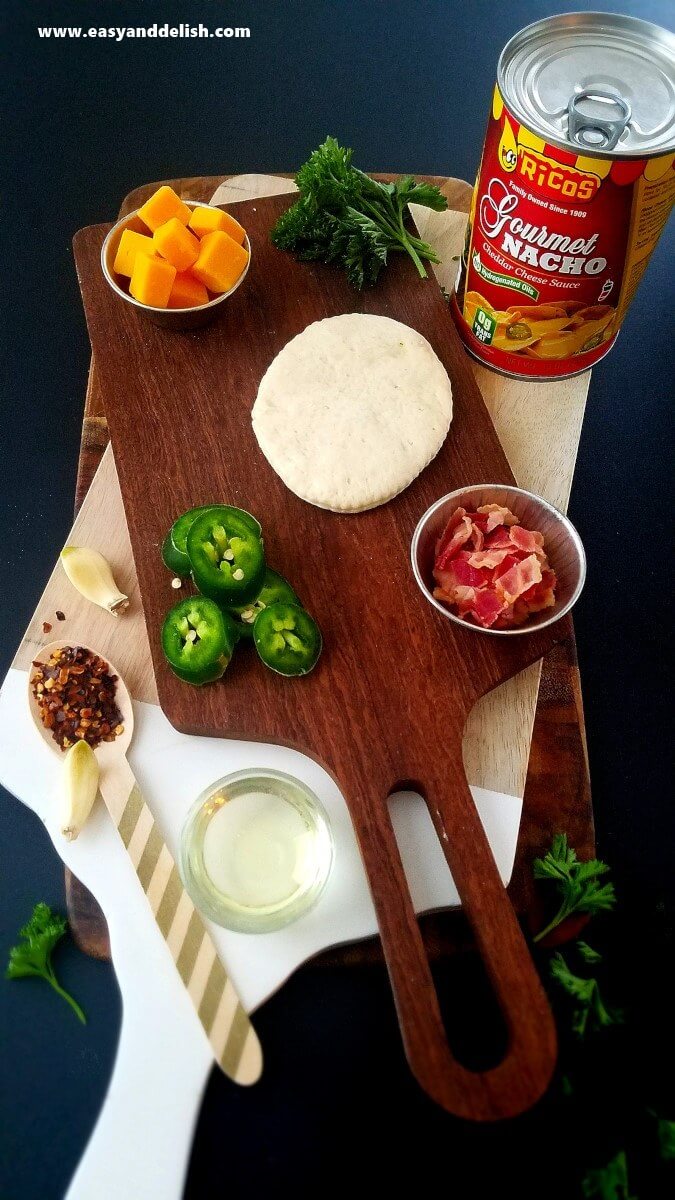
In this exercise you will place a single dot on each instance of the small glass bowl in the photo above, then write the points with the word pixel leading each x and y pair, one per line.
pixel 256 851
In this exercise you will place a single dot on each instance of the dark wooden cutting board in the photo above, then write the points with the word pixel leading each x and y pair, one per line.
pixel 557 789
pixel 387 704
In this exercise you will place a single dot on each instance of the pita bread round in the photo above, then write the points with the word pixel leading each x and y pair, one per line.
pixel 351 410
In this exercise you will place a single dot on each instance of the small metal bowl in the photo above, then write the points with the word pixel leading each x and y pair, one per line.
pixel 167 318
pixel 561 543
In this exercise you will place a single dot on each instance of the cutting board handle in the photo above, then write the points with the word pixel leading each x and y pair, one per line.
pixel 524 1073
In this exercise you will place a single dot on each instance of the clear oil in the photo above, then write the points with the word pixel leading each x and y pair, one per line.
pixel 257 851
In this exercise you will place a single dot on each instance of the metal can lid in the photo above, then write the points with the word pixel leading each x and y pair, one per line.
pixel 599 83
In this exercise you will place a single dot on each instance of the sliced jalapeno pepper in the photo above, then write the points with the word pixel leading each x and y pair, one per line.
pixel 274 588
pixel 174 549
pixel 287 639
pixel 518 331
pixel 198 640
pixel 226 556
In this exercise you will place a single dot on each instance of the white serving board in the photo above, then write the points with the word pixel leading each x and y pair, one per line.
pixel 164 1058
pixel 161 1040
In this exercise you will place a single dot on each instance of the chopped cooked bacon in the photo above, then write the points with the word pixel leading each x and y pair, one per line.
pixel 498 539
pixel 460 572
pixel 461 534
pixel 477 538
pixel 441 594
pixel 487 558
pixel 521 577
pixel 506 564
pixel 513 614
pixel 546 583
pixel 527 540
pixel 464 599
pixel 486 608
pixel 493 574
pixel 446 579
pixel 541 595
pixel 468 575
pixel 498 515
pixel 547 600
pixel 444 540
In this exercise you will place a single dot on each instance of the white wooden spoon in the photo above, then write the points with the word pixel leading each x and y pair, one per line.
pixel 233 1039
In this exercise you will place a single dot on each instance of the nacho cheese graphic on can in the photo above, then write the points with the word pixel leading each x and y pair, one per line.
pixel 575 185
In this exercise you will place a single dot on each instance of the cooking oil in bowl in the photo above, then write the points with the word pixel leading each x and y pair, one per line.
pixel 256 851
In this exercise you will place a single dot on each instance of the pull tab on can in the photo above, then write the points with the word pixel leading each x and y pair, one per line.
pixel 597 117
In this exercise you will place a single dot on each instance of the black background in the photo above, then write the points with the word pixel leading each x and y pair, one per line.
pixel 408 85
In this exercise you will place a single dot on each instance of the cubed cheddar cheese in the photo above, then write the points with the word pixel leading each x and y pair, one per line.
pixel 187 292
pixel 161 207
pixel 208 220
pixel 131 244
pixel 221 261
pixel 176 244
pixel 152 281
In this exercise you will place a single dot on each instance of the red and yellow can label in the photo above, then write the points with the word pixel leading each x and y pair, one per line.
pixel 556 246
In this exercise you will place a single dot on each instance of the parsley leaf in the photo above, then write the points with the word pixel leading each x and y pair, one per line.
pixel 33 956
pixel 588 954
pixel 345 217
pixel 666 1135
pixel 577 882
pixel 590 1010
pixel 609 1182
pixel 410 192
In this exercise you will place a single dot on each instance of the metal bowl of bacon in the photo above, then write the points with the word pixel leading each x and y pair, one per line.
pixel 562 544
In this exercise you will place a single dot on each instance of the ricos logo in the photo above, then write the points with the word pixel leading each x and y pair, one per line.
pixel 555 179
pixel 507 151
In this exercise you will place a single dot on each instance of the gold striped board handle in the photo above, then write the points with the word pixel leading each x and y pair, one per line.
pixel 226 1024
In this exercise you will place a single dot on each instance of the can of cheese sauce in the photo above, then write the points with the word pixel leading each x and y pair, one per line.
pixel 574 188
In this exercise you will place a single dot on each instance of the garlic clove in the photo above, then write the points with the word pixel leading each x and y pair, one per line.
pixel 90 573
pixel 80 787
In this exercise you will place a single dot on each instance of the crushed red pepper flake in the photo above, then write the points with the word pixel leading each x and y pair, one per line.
pixel 76 697
pixel 46 627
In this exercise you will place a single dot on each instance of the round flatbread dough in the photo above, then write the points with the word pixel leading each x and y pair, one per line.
pixel 351 410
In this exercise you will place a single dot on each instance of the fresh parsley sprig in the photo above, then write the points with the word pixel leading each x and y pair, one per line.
pixel 666 1135
pixel 609 1182
pixel 590 1011
pixel 345 217
pixel 33 956
pixel 577 882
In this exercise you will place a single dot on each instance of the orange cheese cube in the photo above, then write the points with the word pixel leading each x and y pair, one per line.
pixel 161 206
pixel 130 245
pixel 176 244
pixel 187 292
pixel 207 220
pixel 152 281
pixel 221 261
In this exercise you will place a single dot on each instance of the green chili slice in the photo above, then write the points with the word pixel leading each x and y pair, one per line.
pixel 226 556
pixel 287 639
pixel 198 640
pixel 518 331
pixel 274 588
pixel 174 547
